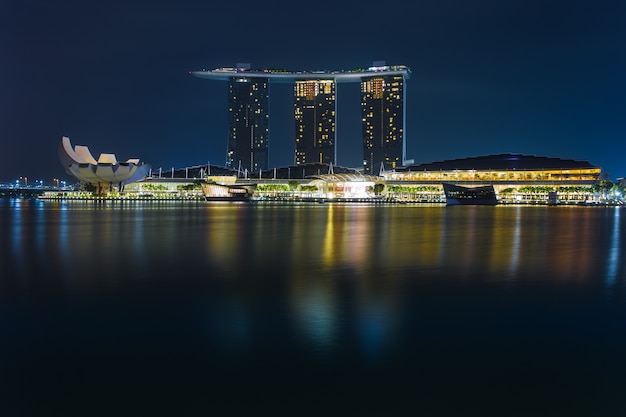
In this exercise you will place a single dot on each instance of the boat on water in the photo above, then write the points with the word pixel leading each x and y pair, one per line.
pixel 227 192
pixel 478 196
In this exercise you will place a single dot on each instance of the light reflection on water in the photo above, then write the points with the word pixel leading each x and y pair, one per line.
pixel 615 251
pixel 106 246
pixel 397 290
pixel 95 247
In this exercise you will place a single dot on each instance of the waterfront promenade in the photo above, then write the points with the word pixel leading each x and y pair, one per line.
pixel 11 190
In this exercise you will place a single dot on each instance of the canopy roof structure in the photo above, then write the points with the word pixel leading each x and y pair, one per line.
pixel 347 178
pixel 80 163
pixel 501 162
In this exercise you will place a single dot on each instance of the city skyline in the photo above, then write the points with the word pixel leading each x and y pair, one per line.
pixel 487 77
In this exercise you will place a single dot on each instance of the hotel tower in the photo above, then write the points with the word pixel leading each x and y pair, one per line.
pixel 383 117
pixel 383 94
pixel 248 123
pixel 314 112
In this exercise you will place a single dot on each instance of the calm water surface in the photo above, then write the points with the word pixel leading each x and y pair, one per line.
pixel 196 309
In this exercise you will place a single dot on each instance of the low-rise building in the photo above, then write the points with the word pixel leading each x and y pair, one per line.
pixel 515 177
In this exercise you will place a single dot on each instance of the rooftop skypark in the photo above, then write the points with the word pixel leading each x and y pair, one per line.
pixel 278 75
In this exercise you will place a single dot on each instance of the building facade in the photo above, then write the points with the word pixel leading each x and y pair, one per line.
pixel 383 118
pixel 514 177
pixel 248 134
pixel 314 113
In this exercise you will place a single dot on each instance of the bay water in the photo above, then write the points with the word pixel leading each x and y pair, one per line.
pixel 115 308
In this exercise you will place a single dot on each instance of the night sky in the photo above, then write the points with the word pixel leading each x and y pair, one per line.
pixel 538 77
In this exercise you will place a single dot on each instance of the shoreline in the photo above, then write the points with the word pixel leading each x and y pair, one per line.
pixel 296 201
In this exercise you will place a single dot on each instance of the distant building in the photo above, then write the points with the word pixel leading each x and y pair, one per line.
pixel 248 121
pixel 382 110
pixel 314 113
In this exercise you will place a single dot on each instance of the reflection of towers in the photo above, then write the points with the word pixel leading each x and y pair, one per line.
pixel 314 111
pixel 248 108
pixel 382 110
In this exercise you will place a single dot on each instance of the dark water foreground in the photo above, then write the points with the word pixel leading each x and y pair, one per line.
pixel 196 309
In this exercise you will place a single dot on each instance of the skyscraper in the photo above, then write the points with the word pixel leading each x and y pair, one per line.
pixel 248 135
pixel 314 112
pixel 383 118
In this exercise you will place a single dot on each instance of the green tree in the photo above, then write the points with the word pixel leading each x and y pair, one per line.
pixel 186 187
pixel 602 187
pixel 273 187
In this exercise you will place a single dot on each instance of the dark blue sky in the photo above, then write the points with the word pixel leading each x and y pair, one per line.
pixel 488 76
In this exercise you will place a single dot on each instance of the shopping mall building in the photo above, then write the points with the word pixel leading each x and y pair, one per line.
pixel 515 177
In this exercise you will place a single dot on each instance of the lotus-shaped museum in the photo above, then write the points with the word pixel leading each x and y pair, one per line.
pixel 79 163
